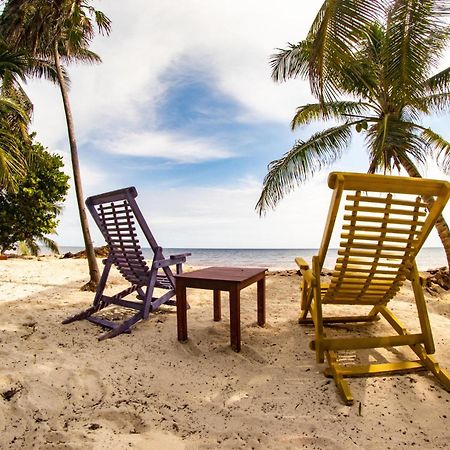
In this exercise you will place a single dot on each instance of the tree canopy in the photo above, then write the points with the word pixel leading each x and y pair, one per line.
pixel 30 213
pixel 372 66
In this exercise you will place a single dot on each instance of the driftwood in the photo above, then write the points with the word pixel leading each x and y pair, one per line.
pixel 100 252
pixel 437 280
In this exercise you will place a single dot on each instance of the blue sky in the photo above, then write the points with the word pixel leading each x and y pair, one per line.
pixel 184 109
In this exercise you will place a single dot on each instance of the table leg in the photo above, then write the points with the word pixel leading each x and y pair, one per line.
pixel 235 318
pixel 261 299
pixel 217 306
pixel 181 311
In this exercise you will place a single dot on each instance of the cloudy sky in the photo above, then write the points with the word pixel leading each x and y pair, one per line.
pixel 184 109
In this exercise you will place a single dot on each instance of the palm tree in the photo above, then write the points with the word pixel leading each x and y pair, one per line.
pixel 371 74
pixel 14 119
pixel 60 31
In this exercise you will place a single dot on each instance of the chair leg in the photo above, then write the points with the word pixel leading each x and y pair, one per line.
pixel 121 328
pixel 422 311
pixel 82 315
pixel 97 304
pixel 149 294
pixel 429 362
pixel 316 307
pixel 339 380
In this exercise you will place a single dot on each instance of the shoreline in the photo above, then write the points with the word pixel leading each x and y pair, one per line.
pixel 187 265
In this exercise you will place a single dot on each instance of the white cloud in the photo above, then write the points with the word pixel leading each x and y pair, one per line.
pixel 165 145
pixel 231 41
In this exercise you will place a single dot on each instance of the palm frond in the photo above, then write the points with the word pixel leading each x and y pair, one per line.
pixel 301 162
pixel 335 32
pixel 435 103
pixel 440 82
pixel 43 67
pixel 340 110
pixel 439 148
pixel 12 61
pixel 416 37
pixel 50 244
pixel 82 55
pixel 103 22
pixel 9 106
pixel 12 161
pixel 291 62
pixel 32 246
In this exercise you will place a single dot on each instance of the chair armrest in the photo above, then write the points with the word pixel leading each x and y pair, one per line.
pixel 306 272
pixel 181 255
pixel 174 259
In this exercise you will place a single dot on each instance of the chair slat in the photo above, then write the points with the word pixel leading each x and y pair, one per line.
pixel 369 262
pixel 376 237
pixel 364 246
pixel 372 209
pixel 362 253
pixel 393 201
pixel 390 230
pixel 388 221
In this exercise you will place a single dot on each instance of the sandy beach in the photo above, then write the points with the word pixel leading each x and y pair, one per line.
pixel 61 388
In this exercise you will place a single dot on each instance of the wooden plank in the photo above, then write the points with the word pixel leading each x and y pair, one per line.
pixel 381 246
pixel 238 274
pixel 102 322
pixel 390 220
pixel 115 220
pixel 369 342
pixel 363 270
pixel 351 276
pixel 391 230
pixel 117 207
pixel 305 270
pixel 120 302
pixel 379 369
pixel 376 237
pixel 355 284
pixel 112 196
pixel 388 183
pixel 341 319
pixel 360 262
pixel 365 254
pixel 357 301
pixel 373 209
pixel 393 201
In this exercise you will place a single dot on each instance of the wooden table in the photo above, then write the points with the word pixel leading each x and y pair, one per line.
pixel 231 279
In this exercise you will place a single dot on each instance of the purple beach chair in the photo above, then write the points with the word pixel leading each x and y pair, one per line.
pixel 117 215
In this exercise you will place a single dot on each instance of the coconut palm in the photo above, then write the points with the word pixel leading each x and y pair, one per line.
pixel 60 31
pixel 373 76
pixel 14 119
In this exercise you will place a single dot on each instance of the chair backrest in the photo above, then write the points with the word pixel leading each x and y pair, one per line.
pixel 386 222
pixel 117 215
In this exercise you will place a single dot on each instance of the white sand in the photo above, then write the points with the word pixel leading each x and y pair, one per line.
pixel 146 390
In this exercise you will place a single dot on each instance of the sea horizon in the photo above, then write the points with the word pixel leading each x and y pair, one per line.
pixel 271 258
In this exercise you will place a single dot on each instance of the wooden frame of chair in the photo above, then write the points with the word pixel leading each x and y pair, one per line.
pixel 116 214
pixel 380 240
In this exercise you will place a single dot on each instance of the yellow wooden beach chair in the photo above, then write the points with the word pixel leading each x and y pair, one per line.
pixel 385 224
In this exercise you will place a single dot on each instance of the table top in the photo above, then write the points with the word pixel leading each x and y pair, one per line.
pixel 238 274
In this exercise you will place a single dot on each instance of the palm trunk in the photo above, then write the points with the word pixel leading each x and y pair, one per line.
pixel 92 262
pixel 441 225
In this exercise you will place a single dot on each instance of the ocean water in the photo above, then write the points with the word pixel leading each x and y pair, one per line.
pixel 428 258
